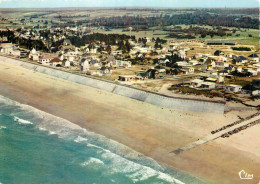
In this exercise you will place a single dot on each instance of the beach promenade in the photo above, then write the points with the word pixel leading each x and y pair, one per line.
pixel 151 130
pixel 178 103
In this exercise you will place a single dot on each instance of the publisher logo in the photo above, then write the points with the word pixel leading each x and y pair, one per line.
pixel 245 176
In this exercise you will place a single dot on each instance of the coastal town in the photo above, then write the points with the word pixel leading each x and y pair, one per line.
pixel 132 94
pixel 210 68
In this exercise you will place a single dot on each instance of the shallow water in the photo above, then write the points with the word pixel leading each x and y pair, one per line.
pixel 37 147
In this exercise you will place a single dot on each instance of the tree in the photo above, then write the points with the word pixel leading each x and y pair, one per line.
pixel 128 46
pixel 144 41
pixel 157 44
pixel 203 35
pixel 108 49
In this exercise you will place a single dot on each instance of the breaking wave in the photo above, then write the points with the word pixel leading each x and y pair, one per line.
pixel 110 156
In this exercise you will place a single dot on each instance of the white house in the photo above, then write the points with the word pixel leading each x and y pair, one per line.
pixel 45 59
pixel 233 88
pixel 16 52
pixel 221 59
pixel 70 56
pixel 208 85
pixel 196 83
pixel 120 63
pixel 66 63
pixel 85 65
pixel 182 63
pixel 193 62
pixel 163 62
pixel 222 64
pixel 104 70
pixel 188 70
pixel 34 55
pixel 182 53
pixel 253 58
pixel 7 48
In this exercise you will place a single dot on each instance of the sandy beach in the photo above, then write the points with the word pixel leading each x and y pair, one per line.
pixel 148 129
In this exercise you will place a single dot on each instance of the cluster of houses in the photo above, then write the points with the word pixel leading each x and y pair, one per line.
pixel 219 66
pixel 10 49
pixel 85 59
pixel 213 68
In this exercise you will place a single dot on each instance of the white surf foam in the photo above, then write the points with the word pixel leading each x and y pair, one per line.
pixel 2 127
pixel 92 161
pixel 97 147
pixel 22 121
pixel 135 171
pixel 80 139
pixel 42 129
pixel 117 163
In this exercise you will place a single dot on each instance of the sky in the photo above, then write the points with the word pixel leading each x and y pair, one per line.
pixel 125 3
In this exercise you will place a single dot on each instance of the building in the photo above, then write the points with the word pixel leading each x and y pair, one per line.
pixel 188 70
pixel 208 85
pixel 240 60
pixel 120 63
pixel 34 55
pixel 66 63
pixel 253 58
pixel 6 48
pixel 149 74
pixel 84 65
pixel 233 88
pixel 196 83
pixel 67 42
pixel 193 62
pixel 16 52
pixel 127 78
pixel 56 62
pixel 45 59
pixel 106 70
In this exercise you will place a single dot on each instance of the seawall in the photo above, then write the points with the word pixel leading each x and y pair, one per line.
pixel 177 103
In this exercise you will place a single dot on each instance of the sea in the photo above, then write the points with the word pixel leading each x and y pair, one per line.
pixel 39 148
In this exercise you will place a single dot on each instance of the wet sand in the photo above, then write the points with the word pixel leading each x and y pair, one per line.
pixel 148 129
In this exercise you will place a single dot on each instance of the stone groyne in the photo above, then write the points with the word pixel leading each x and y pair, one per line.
pixel 178 103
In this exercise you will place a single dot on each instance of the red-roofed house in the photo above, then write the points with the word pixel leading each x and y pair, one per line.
pixel 56 62
pixel 45 59
pixel 6 48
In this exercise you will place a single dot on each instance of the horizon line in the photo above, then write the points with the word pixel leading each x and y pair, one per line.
pixel 148 7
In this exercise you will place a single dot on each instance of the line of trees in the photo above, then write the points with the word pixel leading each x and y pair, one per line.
pixel 109 39
pixel 199 17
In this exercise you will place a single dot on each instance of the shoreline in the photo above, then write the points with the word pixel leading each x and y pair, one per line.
pixel 150 130
pixel 76 134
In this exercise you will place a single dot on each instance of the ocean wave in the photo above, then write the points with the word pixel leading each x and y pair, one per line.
pixel 22 121
pixel 42 129
pixel 52 133
pixel 121 159
pixel 92 161
pixel 2 127
pixel 135 171
pixel 98 147
pixel 80 139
